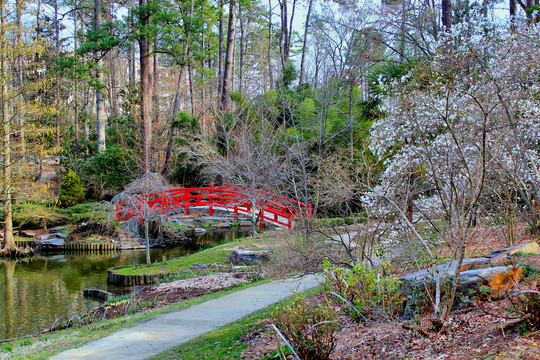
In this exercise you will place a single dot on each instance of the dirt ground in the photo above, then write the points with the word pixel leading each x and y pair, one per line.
pixel 480 328
pixel 484 331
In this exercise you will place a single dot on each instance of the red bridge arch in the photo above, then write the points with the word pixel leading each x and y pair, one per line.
pixel 271 207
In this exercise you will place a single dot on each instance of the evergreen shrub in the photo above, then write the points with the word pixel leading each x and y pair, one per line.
pixel 71 190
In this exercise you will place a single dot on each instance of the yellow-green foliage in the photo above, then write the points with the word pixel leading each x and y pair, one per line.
pixel 37 216
pixel 361 292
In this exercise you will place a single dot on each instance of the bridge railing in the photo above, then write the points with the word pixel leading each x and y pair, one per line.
pixel 268 206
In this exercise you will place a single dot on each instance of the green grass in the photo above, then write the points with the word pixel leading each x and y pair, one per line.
pixel 218 254
pixel 223 343
pixel 44 346
pixel 175 225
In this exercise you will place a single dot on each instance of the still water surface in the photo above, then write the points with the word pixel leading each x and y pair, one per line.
pixel 36 292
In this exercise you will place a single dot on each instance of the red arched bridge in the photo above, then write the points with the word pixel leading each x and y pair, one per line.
pixel 268 206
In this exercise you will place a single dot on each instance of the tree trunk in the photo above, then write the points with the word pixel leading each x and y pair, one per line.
pixel 242 38
pixel 76 90
pixel 231 31
pixel 175 110
pixel 8 243
pixel 147 76
pixel 20 98
pixel 269 51
pixel 100 113
pixel 114 85
pixel 156 87
pixel 284 40
pixel 220 48
pixel 304 45
pixel 57 86
pixel 446 14
pixel 191 88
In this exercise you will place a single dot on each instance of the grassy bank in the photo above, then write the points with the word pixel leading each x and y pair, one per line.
pixel 218 254
pixel 46 345
pixel 224 343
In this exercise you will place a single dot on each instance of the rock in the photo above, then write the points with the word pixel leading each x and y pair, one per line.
pixel 499 279
pixel 199 231
pixel 51 243
pixel 500 255
pixel 57 230
pixel 201 266
pixel 249 257
pixel 344 240
pixel 51 236
pixel 28 233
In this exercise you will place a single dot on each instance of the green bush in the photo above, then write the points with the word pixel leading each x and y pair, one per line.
pixel 310 328
pixel 106 174
pixel 71 190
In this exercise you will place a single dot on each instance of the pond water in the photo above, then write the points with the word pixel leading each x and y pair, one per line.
pixel 36 292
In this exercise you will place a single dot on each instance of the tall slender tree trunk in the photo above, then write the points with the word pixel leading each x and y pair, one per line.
pixel 20 98
pixel 8 243
pixel 175 110
pixel 269 50
pixel 191 88
pixel 57 87
pixel 304 45
pixel 446 14
pixel 114 86
pixel 284 40
pixel 76 84
pixel 220 48
pixel 242 38
pixel 156 87
pixel 147 77
pixel 513 5
pixel 100 110
pixel 231 33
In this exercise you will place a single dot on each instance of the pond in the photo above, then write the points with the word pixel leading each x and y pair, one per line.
pixel 37 292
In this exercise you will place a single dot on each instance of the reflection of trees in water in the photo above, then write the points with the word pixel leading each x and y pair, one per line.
pixel 9 323
pixel 37 291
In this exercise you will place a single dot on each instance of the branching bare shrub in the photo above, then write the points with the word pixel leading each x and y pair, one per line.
pixel 310 328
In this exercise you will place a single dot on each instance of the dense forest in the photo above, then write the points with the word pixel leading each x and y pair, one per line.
pixel 400 106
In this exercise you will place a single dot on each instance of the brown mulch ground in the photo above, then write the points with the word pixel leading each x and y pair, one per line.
pixel 475 332
pixel 480 328
pixel 156 296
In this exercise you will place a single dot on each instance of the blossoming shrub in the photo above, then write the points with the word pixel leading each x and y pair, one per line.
pixel 310 328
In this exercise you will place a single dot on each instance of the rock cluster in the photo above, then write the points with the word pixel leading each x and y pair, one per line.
pixel 475 272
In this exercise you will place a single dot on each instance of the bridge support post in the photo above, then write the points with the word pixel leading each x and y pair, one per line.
pixel 211 200
pixel 261 219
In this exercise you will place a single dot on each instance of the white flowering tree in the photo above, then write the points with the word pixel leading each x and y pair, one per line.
pixel 462 120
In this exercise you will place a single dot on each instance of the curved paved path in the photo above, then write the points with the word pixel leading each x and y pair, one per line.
pixel 166 331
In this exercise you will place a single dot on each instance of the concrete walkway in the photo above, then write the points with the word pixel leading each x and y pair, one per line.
pixel 166 331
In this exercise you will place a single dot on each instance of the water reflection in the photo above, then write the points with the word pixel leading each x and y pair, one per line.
pixel 38 291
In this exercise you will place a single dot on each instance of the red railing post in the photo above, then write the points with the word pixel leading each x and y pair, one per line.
pixel 261 218
pixel 211 200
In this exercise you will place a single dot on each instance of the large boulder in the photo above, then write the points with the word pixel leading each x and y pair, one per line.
pixel 475 272
pixel 249 256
